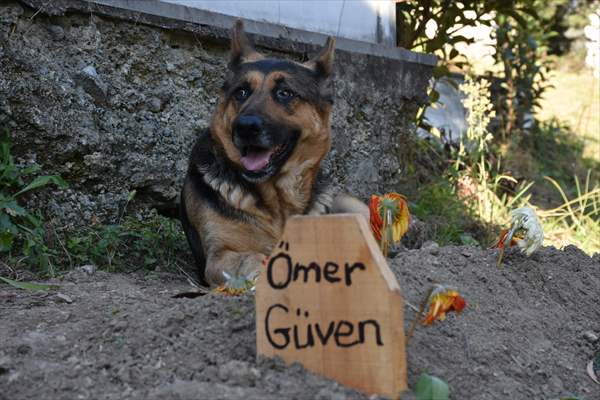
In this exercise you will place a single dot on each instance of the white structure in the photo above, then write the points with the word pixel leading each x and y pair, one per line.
pixel 592 34
pixel 372 21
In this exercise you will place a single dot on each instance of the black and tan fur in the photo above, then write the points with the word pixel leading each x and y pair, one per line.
pixel 233 216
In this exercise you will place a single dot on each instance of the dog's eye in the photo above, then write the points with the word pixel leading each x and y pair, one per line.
pixel 284 94
pixel 241 94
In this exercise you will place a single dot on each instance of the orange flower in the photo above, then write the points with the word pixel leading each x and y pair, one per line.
pixel 390 216
pixel 502 240
pixel 229 291
pixel 442 300
pixel 235 285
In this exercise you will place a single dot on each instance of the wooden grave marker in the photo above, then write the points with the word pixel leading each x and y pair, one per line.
pixel 328 300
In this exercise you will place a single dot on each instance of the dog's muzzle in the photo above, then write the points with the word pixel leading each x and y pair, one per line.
pixel 254 143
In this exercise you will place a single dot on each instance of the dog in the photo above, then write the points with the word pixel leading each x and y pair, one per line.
pixel 259 162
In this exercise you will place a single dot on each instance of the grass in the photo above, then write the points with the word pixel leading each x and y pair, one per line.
pixel 577 220
pixel 549 168
pixel 28 240
pixel 148 243
pixel 448 219
pixel 471 212
pixel 145 243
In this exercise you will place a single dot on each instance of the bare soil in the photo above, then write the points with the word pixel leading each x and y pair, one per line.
pixel 527 333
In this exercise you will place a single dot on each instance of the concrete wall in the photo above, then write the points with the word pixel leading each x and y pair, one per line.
pixel 112 100
pixel 371 21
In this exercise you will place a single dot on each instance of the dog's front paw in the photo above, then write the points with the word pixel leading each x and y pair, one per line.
pixel 233 264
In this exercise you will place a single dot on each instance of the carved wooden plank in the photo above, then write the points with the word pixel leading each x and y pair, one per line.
pixel 328 300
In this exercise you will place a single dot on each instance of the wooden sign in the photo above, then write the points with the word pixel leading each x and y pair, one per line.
pixel 328 300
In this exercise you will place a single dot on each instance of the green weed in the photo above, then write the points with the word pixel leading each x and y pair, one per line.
pixel 135 243
pixel 445 215
pixel 22 232
pixel 132 243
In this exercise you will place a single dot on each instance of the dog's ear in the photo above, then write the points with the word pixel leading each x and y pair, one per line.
pixel 241 48
pixel 322 63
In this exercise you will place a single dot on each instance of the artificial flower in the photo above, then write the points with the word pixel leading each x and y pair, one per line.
pixel 525 231
pixel 236 285
pixel 442 300
pixel 525 221
pixel 503 242
pixel 389 218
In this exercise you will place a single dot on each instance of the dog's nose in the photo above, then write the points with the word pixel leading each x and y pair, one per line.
pixel 248 127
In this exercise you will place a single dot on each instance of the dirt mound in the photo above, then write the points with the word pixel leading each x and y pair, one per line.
pixel 527 333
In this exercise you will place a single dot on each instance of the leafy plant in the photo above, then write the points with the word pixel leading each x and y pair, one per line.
pixel 22 230
pixel 576 221
pixel 439 26
pixel 431 388
pixel 520 52
pixel 141 242
pixel 434 26
pixel 439 207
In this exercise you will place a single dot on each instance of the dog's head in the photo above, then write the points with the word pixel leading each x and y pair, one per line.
pixel 273 115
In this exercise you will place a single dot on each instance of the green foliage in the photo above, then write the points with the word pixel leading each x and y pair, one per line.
pixel 414 18
pixel 21 230
pixel 143 243
pixel 576 221
pixel 554 137
pixel 132 243
pixel 439 207
pixel 431 388
pixel 520 51
pixel 448 18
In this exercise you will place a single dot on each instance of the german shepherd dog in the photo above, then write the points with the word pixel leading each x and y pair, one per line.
pixel 258 164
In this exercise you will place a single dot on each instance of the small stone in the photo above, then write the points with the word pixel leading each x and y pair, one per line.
pixel 4 364
pixel 119 325
pixel 155 105
pixel 57 32
pixel 91 83
pixel 170 67
pixel 431 247
pixel 366 172
pixel 238 373
pixel 590 336
pixel 24 349
pixel 90 70
pixel 64 298
pixel 467 253
pixel 89 269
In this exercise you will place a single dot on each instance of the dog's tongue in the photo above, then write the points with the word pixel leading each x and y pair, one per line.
pixel 256 160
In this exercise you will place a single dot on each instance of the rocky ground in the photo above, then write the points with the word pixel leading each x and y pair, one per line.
pixel 528 332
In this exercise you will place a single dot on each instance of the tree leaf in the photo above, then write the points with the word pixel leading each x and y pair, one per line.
pixel 28 285
pixel 431 388
pixel 42 181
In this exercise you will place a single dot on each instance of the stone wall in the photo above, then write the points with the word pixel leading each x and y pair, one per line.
pixel 112 102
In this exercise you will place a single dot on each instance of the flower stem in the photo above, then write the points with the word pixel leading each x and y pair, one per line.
pixel 499 264
pixel 418 316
